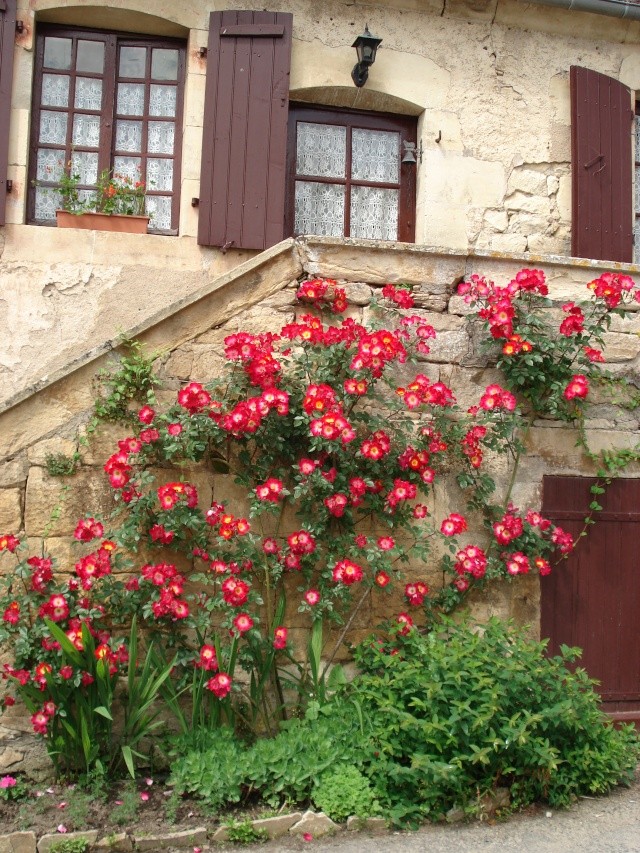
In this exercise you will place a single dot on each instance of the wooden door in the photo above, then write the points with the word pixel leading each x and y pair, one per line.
pixel 592 600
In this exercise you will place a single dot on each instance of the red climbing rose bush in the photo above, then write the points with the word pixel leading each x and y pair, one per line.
pixel 338 439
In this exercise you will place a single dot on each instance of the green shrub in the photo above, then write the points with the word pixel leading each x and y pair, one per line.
pixel 244 832
pixel 460 711
pixel 345 791
pixel 284 768
pixel 70 845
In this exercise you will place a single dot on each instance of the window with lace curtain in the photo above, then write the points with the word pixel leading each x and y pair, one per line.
pixel 347 177
pixel 106 101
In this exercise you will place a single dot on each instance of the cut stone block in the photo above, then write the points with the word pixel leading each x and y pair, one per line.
pixel 18 842
pixel 314 823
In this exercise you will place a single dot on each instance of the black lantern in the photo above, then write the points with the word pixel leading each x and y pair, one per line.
pixel 366 46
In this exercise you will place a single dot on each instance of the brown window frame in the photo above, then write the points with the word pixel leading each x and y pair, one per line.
pixel 406 126
pixel 112 41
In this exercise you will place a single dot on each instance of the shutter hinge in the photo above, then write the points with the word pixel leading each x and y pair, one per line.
pixel 202 53
pixel 195 202
pixel 9 186
pixel 20 27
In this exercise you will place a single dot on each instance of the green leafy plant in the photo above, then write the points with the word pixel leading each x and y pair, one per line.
pixel 70 845
pixel 345 791
pixel 243 832
pixel 125 812
pixel 130 381
pixel 62 464
pixel 448 723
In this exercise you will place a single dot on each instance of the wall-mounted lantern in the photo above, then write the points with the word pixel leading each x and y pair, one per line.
pixel 366 46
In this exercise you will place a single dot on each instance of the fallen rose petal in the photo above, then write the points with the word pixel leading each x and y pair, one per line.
pixel 148 781
pixel 62 805
pixel 119 802
pixel 62 827
pixel 50 791
pixel 144 796
pixel 307 836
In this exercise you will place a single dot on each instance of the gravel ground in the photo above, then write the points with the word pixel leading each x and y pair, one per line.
pixel 599 825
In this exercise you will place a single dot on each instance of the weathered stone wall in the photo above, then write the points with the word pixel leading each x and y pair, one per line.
pixel 487 79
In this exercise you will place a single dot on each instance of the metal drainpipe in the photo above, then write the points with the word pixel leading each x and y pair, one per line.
pixel 614 8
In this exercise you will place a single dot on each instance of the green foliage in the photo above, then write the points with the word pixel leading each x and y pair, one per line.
pixel 243 832
pixel 62 464
pixel 285 768
pixel 461 710
pixel 70 845
pixel 130 381
pixel 125 813
pixel 345 791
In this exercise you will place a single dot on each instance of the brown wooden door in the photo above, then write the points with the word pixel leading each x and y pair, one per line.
pixel 592 600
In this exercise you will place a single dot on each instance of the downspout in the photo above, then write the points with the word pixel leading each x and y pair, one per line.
pixel 614 8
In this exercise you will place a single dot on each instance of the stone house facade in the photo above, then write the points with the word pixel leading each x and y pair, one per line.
pixel 478 104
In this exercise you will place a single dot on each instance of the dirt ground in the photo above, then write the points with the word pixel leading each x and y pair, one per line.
pixel 593 825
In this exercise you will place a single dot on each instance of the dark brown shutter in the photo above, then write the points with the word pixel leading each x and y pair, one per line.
pixel 242 180
pixel 601 163
pixel 7 38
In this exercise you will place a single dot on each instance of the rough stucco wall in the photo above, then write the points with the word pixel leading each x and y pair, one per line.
pixel 488 78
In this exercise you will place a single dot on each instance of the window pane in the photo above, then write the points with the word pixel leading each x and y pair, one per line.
pixel 162 101
pixel 159 209
pixel 88 94
pixel 90 57
pixel 637 177
pixel 128 167
pixel 159 174
pixel 50 164
pixel 160 140
pixel 47 202
pixel 374 213
pixel 321 150
pixel 133 62
pixel 375 155
pixel 55 90
pixel 57 53
pixel 86 130
pixel 53 127
pixel 164 64
pixel 129 136
pixel 319 209
pixel 85 164
pixel 130 99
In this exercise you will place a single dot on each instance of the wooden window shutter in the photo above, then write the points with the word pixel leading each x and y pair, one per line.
pixel 601 163
pixel 242 180
pixel 7 38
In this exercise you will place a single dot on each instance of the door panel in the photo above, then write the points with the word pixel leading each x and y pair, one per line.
pixel 592 599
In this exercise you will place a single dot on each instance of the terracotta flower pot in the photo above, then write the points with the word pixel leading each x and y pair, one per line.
pixel 103 222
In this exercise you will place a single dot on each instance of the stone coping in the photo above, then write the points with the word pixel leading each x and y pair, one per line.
pixel 314 824
pixel 331 257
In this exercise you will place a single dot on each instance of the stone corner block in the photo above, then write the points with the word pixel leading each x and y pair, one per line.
pixel 315 823
pixel 48 841
pixel 187 840
pixel 118 842
pixel 18 842
pixel 366 824
pixel 278 825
